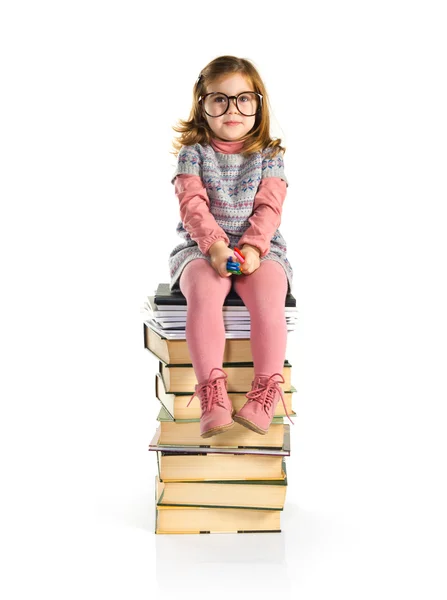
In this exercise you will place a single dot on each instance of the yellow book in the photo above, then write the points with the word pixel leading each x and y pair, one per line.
pixel 211 466
pixel 269 495
pixel 173 352
pixel 187 433
pixel 196 520
pixel 258 449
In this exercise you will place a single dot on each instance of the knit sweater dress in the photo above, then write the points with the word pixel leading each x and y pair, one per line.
pixel 226 196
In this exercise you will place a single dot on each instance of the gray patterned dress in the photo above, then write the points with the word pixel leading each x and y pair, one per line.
pixel 231 182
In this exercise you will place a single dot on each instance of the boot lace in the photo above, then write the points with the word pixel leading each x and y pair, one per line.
pixel 265 393
pixel 210 392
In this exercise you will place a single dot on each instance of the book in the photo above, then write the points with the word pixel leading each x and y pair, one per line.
pixel 211 466
pixel 180 449
pixel 182 378
pixel 164 296
pixel 173 352
pixel 172 311
pixel 231 323
pixel 176 404
pixel 179 332
pixel 199 520
pixel 187 433
pixel 176 351
pixel 268 495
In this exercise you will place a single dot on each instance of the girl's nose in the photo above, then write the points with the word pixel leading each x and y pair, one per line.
pixel 233 106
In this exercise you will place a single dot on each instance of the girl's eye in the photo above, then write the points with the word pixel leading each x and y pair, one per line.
pixel 243 98
pixel 219 99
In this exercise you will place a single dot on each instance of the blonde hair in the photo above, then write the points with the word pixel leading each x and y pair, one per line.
pixel 196 130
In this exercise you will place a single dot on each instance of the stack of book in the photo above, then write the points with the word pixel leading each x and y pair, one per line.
pixel 232 482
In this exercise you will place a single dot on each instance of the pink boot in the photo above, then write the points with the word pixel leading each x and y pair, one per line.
pixel 215 404
pixel 257 413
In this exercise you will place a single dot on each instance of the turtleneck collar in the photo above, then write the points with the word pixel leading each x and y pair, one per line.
pixel 226 147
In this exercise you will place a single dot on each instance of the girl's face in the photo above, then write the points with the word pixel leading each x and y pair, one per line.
pixel 231 85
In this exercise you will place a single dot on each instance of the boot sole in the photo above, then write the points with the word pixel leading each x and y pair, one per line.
pixel 217 430
pixel 249 425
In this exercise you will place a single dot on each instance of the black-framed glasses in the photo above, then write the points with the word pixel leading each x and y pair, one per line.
pixel 216 104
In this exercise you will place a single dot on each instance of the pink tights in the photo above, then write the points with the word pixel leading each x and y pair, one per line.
pixel 263 292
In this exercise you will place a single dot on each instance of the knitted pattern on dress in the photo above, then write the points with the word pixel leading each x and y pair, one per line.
pixel 231 182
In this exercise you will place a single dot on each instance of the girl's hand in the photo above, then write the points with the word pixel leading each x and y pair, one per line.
pixel 219 253
pixel 252 259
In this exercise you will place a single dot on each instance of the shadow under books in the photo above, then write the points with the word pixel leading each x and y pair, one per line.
pixel 183 561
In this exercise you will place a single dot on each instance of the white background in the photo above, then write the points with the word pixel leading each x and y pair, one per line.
pixel 90 92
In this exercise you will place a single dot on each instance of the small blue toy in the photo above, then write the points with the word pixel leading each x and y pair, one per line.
pixel 233 267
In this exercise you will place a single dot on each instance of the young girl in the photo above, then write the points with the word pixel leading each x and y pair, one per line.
pixel 231 186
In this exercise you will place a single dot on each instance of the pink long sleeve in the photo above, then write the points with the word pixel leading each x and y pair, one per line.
pixel 266 216
pixel 195 212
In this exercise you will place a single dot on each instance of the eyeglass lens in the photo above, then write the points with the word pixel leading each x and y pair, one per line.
pixel 247 104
